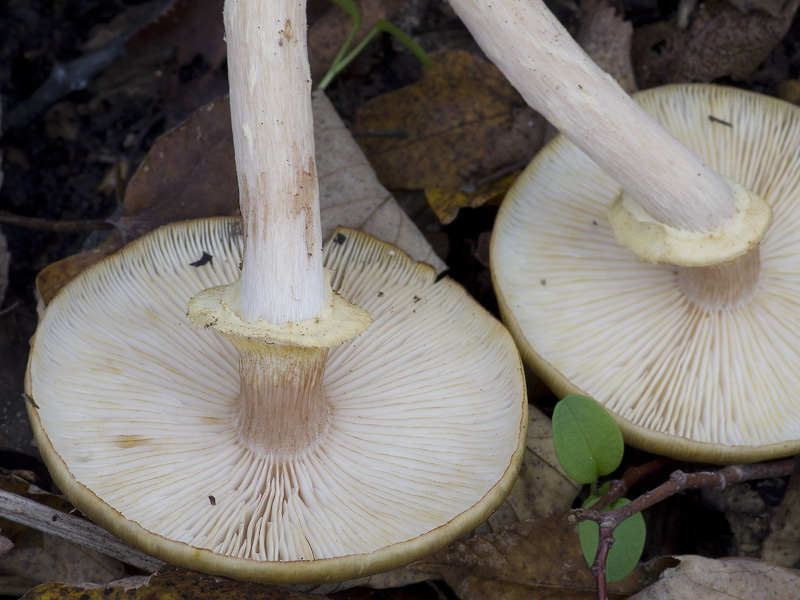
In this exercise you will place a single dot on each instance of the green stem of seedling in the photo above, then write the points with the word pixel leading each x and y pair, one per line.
pixel 342 60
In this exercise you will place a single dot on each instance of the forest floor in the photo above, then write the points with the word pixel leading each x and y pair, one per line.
pixel 69 154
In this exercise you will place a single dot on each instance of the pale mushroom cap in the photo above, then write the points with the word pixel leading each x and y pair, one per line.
pixel 135 418
pixel 718 386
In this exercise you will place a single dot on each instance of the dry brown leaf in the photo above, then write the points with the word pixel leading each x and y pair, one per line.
pixel 5 257
pixel 726 579
pixel 193 27
pixel 606 36
pixel 190 173
pixel 448 125
pixel 351 194
pixel 789 90
pixel 526 135
pixel 528 560
pixel 744 509
pixel 721 41
pixel 6 545
pixel 447 203
pixel 171 583
pixel 782 545
pixel 542 488
pixel 41 558
pixel 5 263
pixel 771 7
pixel 36 557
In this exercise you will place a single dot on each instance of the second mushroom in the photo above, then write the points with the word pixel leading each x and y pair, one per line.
pixel 693 354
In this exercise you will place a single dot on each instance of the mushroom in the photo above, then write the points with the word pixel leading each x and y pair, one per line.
pixel 681 349
pixel 694 364
pixel 290 433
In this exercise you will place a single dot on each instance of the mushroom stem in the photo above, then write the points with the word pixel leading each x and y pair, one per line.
pixel 558 79
pixel 723 286
pixel 281 316
pixel 281 410
pixel 273 136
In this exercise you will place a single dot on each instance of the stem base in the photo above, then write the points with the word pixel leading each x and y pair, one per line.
pixel 282 410
pixel 657 242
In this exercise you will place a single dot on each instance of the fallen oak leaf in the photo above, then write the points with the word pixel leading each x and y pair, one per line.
pixel 724 579
pixel 40 558
pixel 542 488
pixel 450 123
pixel 189 173
pixel 771 7
pixel 192 27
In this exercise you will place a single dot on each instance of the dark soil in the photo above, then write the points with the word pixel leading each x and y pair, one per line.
pixel 70 161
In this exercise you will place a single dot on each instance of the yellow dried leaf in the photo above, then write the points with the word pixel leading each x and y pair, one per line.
pixel 169 582
pixel 439 132
pixel 789 90
pixel 446 203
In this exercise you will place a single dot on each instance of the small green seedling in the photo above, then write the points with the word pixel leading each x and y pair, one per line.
pixel 344 58
pixel 589 445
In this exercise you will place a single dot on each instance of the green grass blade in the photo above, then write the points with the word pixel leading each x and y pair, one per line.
pixel 403 38
pixel 349 6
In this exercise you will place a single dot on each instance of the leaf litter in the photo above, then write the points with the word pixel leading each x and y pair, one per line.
pixel 704 51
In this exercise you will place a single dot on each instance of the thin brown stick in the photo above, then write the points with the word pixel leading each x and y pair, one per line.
pixel 678 482
pixel 619 487
pixel 55 226
pixel 598 568
pixel 73 529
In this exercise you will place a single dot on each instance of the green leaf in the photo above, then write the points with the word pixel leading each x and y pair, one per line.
pixel 403 38
pixel 587 440
pixel 629 540
pixel 349 6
